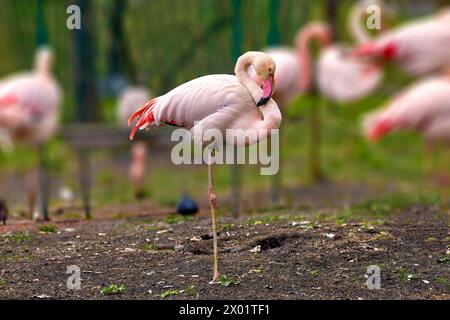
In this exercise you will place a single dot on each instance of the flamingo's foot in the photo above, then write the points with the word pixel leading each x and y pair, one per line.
pixel 215 278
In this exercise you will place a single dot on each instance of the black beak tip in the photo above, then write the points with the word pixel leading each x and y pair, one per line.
pixel 263 101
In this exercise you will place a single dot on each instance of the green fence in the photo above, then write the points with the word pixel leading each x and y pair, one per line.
pixel 158 43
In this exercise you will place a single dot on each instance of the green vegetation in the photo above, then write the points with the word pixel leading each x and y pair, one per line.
pixel 264 219
pixel 226 227
pixel 113 289
pixel 443 281
pixel 2 282
pixel 314 273
pixel 175 218
pixel 168 293
pixel 19 237
pixel 225 281
pixel 149 247
pixel 47 228
pixel 191 291
pixel 406 276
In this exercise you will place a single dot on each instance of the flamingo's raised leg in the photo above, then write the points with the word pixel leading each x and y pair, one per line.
pixel 213 205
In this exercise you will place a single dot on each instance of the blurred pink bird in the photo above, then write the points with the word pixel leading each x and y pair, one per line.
pixel 29 108
pixel 29 102
pixel 341 77
pixel 219 102
pixel 423 107
pixel 128 100
pixel 419 47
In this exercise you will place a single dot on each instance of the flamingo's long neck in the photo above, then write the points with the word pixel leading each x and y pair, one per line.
pixel 313 31
pixel 270 113
pixel 43 62
pixel 241 71
pixel 357 31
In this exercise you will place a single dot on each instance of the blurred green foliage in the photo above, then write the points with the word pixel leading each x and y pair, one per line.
pixel 173 41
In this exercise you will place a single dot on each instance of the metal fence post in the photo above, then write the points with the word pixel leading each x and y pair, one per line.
pixel 43 172
pixel 236 34
pixel 86 94
pixel 274 40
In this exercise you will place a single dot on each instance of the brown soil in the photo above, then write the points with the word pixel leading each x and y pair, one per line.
pixel 293 259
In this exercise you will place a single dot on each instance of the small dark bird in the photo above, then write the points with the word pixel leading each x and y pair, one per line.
pixel 3 212
pixel 187 206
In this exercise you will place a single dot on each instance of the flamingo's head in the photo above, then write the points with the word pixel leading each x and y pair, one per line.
pixel 380 129
pixel 386 52
pixel 264 67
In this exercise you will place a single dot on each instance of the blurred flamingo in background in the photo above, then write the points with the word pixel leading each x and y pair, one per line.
pixel 341 76
pixel 219 102
pixel 419 47
pixel 423 107
pixel 29 109
pixel 128 100
pixel 415 108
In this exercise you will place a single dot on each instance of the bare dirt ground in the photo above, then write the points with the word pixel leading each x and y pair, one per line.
pixel 281 256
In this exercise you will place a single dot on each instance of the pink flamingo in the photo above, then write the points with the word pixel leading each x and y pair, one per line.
pixel 29 108
pixel 423 107
pixel 417 107
pixel 341 77
pixel 219 102
pixel 128 100
pixel 418 47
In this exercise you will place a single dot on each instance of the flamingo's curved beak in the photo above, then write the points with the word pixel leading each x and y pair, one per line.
pixel 267 86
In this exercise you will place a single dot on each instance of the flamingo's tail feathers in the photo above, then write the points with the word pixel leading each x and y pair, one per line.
pixel 145 115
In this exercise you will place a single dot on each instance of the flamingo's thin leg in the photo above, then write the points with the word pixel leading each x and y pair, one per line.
pixel 137 168
pixel 213 204
pixel 445 179
pixel 32 191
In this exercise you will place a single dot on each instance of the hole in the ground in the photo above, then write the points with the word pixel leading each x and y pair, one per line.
pixel 270 242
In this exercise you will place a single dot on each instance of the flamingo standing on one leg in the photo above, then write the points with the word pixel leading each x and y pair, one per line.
pixel 129 99
pixel 418 47
pixel 424 107
pixel 29 108
pixel 219 102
